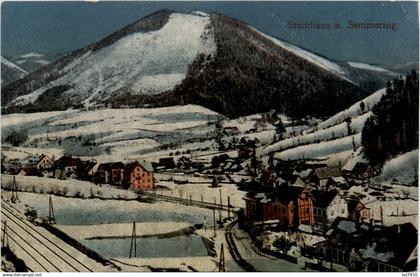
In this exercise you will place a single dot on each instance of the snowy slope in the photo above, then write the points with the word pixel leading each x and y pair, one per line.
pixel 10 71
pixel 311 57
pixel 322 149
pixel 149 63
pixel 354 109
pixel 326 138
pixel 403 168
pixel 111 134
pixel 368 67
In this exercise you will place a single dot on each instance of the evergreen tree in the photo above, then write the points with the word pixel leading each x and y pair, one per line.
pixel 393 127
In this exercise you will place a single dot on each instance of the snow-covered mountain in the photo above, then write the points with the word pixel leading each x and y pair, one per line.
pixel 32 61
pixel 170 58
pixel 10 72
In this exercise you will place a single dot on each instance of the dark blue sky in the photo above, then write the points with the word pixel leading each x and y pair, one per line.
pixel 54 27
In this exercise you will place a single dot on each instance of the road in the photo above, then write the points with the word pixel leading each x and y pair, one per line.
pixel 39 249
pixel 249 258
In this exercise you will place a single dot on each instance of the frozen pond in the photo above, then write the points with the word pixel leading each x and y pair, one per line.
pixel 184 246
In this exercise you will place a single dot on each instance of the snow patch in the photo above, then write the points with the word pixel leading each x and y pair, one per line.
pixel 368 67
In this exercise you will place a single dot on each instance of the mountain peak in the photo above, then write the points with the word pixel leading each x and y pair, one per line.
pixel 170 58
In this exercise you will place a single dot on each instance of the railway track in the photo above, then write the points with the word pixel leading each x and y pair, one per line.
pixel 40 253
pixel 188 202
pixel 233 250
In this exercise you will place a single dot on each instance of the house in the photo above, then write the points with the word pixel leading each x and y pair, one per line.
pixel 139 176
pixel 231 131
pixel 44 162
pixel 167 163
pixel 66 167
pixel 103 173
pixel 297 181
pixel 328 205
pixel 87 170
pixel 322 177
pixel 291 206
pixel 270 179
pixel 357 211
pixel 29 171
pixel 117 173
pixel 366 247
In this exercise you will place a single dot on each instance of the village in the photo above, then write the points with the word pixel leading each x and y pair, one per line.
pixel 303 211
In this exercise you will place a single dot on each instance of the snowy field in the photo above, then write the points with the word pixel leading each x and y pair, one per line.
pixel 85 218
pixel 69 188
pixel 111 134
pixel 209 194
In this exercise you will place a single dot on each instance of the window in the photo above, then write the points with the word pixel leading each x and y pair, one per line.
pixel 284 210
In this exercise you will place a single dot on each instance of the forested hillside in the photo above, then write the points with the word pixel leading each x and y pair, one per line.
pixel 393 127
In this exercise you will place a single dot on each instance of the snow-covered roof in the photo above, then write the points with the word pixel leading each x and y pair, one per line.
pixel 356 158
pixel 303 174
pixel 347 226
pixel 340 180
pixel 305 228
pixel 371 252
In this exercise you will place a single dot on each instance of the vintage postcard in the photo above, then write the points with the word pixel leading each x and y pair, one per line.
pixel 209 136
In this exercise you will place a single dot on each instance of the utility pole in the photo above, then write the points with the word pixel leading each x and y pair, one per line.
pixel 133 241
pixel 214 223
pixel 15 196
pixel 228 207
pixel 5 237
pixel 220 210
pixel 382 216
pixel 222 267
pixel 51 215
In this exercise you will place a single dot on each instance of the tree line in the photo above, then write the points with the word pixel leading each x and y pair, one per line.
pixel 394 126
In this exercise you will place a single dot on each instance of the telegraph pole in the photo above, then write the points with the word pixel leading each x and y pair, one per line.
pixel 228 207
pixel 214 223
pixel 220 210
pixel 15 196
pixel 133 241
pixel 51 215
pixel 222 267
pixel 5 237
pixel 382 216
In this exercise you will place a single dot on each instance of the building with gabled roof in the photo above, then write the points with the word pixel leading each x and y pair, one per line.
pixel 366 247
pixel 290 205
pixel 139 176
pixel 357 210
pixel 328 205
pixel 44 162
